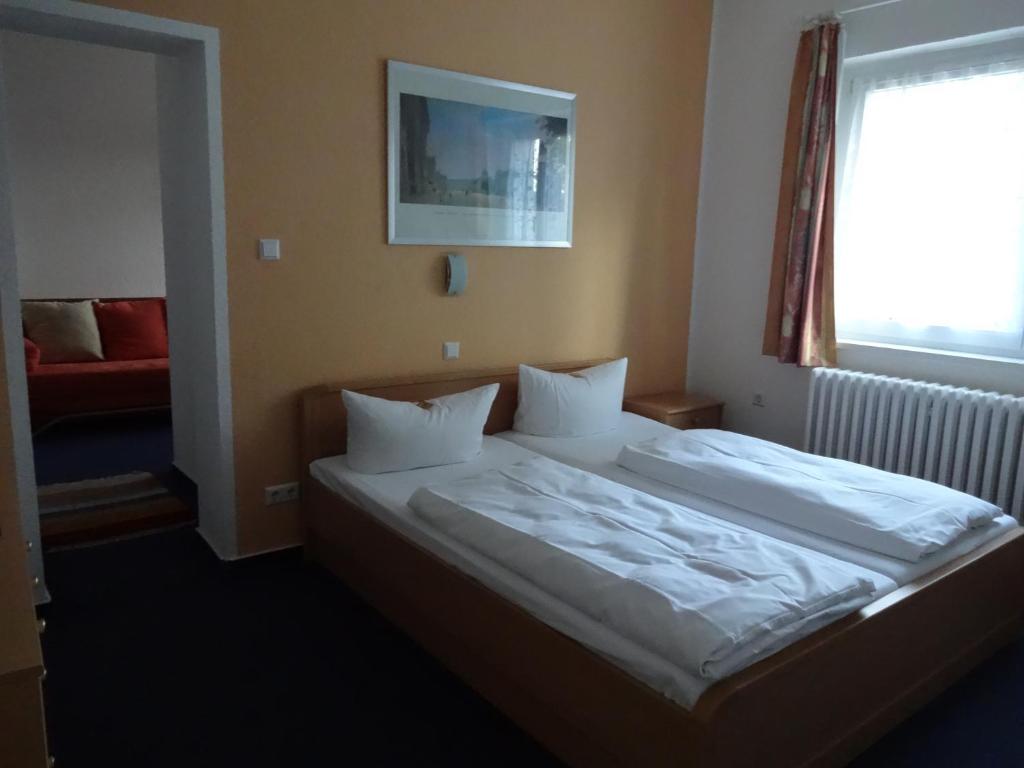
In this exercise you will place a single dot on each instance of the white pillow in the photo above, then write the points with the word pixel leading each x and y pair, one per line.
pixel 390 435
pixel 570 404
pixel 64 331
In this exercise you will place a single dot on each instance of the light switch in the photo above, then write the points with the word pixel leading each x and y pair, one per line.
pixel 450 350
pixel 270 250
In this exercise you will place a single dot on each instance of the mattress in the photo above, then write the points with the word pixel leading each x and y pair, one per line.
pixel 384 497
pixel 597 454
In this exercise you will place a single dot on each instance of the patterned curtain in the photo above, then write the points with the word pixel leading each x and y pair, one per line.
pixel 800 322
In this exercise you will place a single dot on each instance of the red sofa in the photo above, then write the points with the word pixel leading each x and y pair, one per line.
pixel 57 390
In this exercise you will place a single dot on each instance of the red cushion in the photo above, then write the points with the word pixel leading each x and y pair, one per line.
pixel 32 354
pixel 132 330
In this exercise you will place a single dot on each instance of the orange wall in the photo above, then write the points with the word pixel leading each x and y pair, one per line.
pixel 304 145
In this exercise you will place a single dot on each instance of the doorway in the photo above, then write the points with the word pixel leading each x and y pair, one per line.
pixel 187 82
pixel 83 152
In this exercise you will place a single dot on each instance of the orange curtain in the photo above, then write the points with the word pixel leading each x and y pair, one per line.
pixel 800 322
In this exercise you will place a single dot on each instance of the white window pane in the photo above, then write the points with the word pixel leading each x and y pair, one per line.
pixel 931 243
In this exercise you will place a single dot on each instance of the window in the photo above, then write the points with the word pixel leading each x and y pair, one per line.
pixel 930 215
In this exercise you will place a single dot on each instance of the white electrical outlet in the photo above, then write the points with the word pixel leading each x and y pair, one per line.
pixel 279 494
pixel 450 350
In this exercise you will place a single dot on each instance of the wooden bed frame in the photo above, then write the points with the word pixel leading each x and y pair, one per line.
pixel 819 701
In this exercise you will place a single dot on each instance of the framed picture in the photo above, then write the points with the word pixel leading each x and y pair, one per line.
pixel 475 161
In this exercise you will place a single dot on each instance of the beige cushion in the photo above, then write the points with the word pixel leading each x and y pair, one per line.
pixel 64 331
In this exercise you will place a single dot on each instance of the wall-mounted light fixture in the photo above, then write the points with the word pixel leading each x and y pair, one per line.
pixel 456 274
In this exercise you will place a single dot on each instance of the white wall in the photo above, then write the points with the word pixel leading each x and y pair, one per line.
pixel 191 150
pixel 753 49
pixel 84 155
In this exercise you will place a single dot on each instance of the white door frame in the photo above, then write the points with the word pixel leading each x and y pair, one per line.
pixel 188 93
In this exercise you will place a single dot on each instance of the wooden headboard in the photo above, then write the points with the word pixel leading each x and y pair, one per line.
pixel 323 419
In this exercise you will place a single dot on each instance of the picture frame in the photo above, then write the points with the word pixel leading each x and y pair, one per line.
pixel 478 161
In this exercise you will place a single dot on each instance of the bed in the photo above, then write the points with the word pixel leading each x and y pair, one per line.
pixel 817 702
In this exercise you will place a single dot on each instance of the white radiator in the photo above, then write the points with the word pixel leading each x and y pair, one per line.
pixel 963 438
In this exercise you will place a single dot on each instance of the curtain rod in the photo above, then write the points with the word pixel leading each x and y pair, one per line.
pixel 868 7
pixel 835 16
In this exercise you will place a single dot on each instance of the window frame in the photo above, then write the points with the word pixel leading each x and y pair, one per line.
pixel 855 75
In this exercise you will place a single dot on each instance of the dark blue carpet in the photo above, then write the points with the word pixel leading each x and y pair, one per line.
pixel 161 655
pixel 977 722
pixel 104 446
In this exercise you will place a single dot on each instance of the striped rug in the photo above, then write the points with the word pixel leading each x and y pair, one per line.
pixel 106 508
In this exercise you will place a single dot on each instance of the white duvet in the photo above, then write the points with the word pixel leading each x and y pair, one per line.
pixel 895 515
pixel 706 595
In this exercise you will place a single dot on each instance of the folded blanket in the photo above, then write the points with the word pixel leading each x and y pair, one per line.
pixel 892 514
pixel 706 595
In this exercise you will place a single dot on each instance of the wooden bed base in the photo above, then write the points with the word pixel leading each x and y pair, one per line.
pixel 819 701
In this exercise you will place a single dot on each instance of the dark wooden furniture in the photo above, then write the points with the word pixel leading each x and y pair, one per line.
pixel 678 409
pixel 22 723
pixel 818 702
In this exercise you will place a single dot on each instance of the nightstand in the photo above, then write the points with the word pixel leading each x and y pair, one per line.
pixel 678 409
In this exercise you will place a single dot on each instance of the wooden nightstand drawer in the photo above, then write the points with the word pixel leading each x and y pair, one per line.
pixel 702 418
pixel 678 409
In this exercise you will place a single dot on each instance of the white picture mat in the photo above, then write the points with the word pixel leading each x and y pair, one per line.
pixel 456 225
